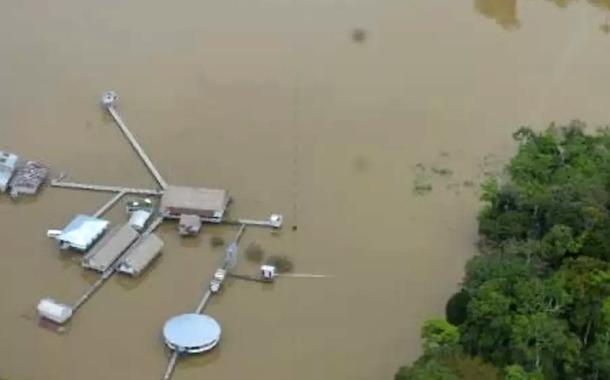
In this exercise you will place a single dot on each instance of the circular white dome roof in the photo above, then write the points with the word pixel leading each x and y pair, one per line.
pixel 191 333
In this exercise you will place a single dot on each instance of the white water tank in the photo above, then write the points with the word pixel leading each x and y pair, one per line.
pixel 138 219
pixel 52 310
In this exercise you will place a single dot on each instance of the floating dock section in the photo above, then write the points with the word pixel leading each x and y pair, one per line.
pixel 141 255
pixel 110 248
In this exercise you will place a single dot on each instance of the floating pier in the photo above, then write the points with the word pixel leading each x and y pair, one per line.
pixel 108 205
pixel 109 99
pixel 247 277
pixel 105 188
pixel 215 283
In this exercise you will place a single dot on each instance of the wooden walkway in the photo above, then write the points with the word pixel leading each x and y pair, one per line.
pixel 171 365
pixel 105 188
pixel 136 146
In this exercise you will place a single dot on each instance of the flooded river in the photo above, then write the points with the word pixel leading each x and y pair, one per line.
pixel 330 112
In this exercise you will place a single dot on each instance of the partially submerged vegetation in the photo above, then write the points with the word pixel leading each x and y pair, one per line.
pixel 255 253
pixel 535 304
pixel 217 241
pixel 283 264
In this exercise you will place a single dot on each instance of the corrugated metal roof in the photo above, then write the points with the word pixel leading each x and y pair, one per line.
pixel 110 248
pixel 141 255
pixel 83 231
pixel 198 201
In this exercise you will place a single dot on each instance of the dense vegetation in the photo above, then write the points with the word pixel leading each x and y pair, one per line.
pixel 535 304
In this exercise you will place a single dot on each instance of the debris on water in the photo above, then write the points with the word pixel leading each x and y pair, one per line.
pixel 361 164
pixel 468 183
pixel 217 241
pixel 254 252
pixel 421 183
pixel 453 186
pixel 442 171
pixel 422 188
pixel 359 35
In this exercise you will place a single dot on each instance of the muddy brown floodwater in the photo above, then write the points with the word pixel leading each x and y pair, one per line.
pixel 318 109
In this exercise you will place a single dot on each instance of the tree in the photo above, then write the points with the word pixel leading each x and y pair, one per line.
pixel 588 283
pixel 536 301
pixel 457 308
pixel 539 341
pixel 598 353
pixel 486 330
pixel 516 372
pixel 439 336
pixel 426 369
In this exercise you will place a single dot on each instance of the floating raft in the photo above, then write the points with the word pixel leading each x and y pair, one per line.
pixel 141 255
pixel 28 178
pixel 117 241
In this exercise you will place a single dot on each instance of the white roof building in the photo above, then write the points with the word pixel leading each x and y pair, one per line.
pixel 82 232
pixel 8 163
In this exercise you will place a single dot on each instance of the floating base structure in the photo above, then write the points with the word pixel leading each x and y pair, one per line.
pixel 125 251
pixel 61 313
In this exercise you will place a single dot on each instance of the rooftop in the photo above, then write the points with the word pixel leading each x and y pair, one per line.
pixel 197 201
pixel 192 332
pixel 83 231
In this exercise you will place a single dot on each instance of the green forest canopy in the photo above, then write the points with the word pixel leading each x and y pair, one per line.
pixel 535 303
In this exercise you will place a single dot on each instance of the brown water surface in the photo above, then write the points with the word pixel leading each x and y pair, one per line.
pixel 318 109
